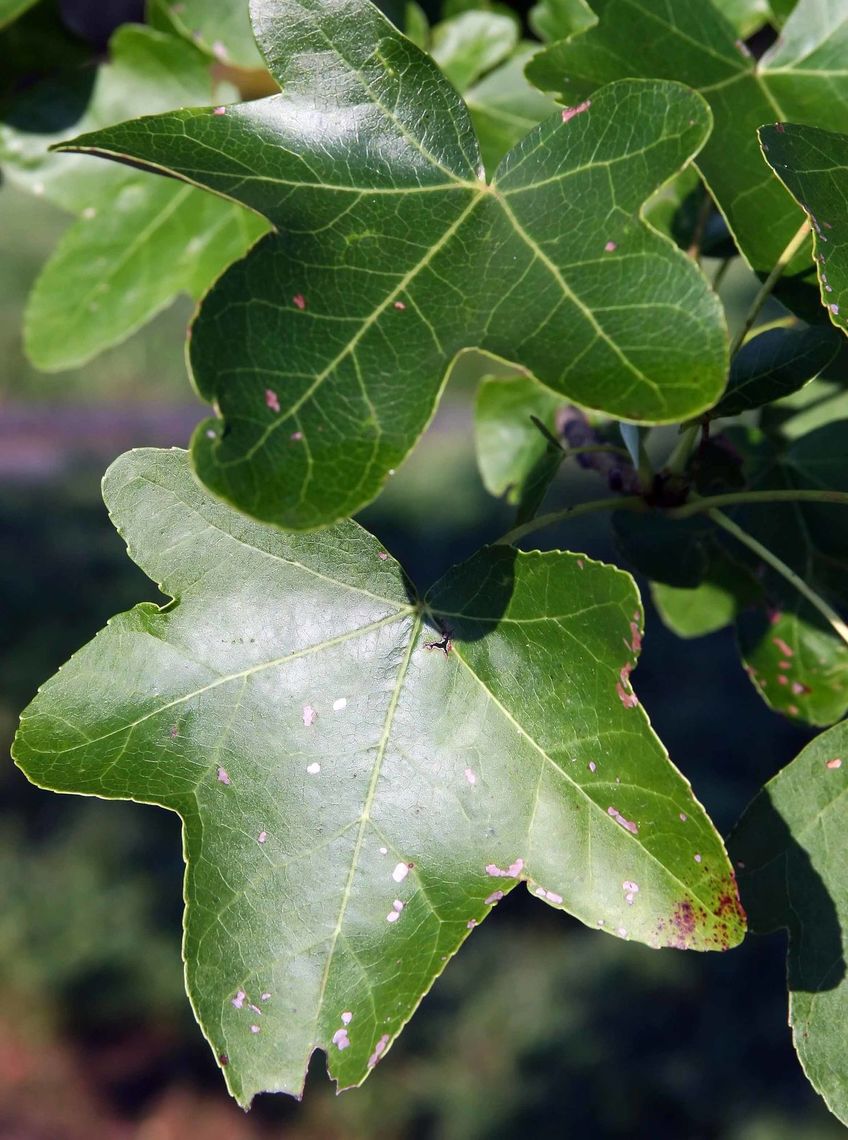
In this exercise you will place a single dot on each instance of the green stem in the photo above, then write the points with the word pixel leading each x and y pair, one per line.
pixel 697 506
pixel 615 502
pixel 828 613
pixel 768 286
pixel 693 507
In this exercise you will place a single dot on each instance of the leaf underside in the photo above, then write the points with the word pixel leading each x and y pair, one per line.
pixel 791 848
pixel 326 348
pixel 356 793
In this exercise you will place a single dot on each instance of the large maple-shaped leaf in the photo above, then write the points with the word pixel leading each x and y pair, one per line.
pixel 803 77
pixel 362 774
pixel 325 349
pixel 138 241
pixel 791 848
pixel 813 166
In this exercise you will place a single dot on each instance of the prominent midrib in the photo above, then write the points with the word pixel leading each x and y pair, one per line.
pixel 365 327
pixel 365 816
pixel 242 673
pixel 687 888
pixel 556 273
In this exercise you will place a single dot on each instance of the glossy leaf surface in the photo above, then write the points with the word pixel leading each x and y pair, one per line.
pixel 355 799
pixel 139 241
pixel 802 78
pixel 791 848
pixel 325 349
pixel 813 166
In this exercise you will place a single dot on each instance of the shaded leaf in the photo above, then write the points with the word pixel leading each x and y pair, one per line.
pixel 773 364
pixel 803 77
pixel 139 240
pixel 514 456
pixel 791 848
pixel 352 796
pixel 796 660
pixel 813 166
pixel 725 590
pixel 467 46
pixel 745 16
pixel 221 28
pixel 11 9
pixel 509 445
pixel 667 550
pixel 558 19
pixel 504 106
pixel 393 247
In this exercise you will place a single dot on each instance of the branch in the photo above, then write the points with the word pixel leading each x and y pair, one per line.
pixel 615 502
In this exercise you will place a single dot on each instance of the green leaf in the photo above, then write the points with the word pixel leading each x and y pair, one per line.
pixel 391 245
pixel 471 44
pixel 504 107
pixel 781 10
pixel 791 849
pixel 725 590
pixel 139 241
pixel 221 28
pixel 11 9
pixel 352 796
pixel 745 16
pixel 773 364
pixel 813 166
pixel 113 271
pixel 558 19
pixel 803 77
pixel 510 448
pixel 795 659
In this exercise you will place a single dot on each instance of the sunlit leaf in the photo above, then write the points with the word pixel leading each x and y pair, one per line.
pixel 362 774
pixel 325 349
pixel 802 78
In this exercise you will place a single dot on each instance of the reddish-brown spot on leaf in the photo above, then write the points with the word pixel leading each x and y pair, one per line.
pixel 569 112
pixel 299 301
pixel 271 400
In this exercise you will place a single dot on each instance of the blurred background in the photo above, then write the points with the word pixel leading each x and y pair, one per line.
pixel 539 1026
